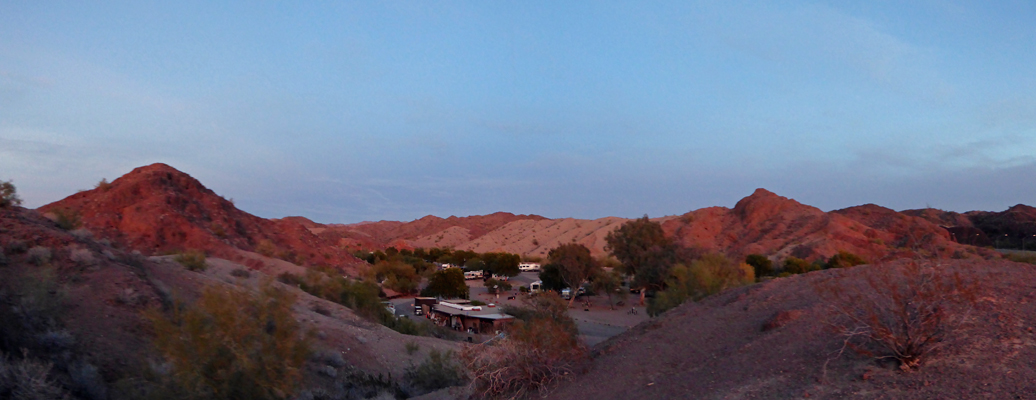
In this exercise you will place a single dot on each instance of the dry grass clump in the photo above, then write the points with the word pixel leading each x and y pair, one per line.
pixel 899 312
pixel 39 255
pixel 28 379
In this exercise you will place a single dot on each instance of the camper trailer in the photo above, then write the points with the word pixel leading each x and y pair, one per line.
pixel 529 267
pixel 473 275
pixel 536 287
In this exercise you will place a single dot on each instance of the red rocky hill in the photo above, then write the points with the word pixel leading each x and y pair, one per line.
pixel 158 209
pixel 779 227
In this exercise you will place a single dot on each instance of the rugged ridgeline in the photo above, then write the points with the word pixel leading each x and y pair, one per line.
pixel 763 223
pixel 157 209
pixel 1005 229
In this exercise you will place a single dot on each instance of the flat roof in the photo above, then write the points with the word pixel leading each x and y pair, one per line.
pixel 484 314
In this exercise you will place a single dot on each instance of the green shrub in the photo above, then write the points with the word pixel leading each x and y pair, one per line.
pixel 448 283
pixel 762 265
pixel 241 273
pixel 103 185
pixel 193 260
pixel 844 259
pixel 795 265
pixel 412 347
pixel 9 195
pixel 67 218
pixel 707 275
pixel 233 344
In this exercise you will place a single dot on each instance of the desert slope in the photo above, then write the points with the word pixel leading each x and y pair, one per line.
pixel 718 348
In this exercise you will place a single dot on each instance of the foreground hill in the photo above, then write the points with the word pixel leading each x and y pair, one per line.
pixel 157 209
pixel 771 340
pixel 96 295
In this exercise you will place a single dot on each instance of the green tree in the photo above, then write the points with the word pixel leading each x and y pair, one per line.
pixel 448 283
pixel 762 265
pixel 396 275
pixel 9 195
pixel 505 264
pixel 234 345
pixel 610 283
pixel 550 275
pixel 575 264
pixel 645 252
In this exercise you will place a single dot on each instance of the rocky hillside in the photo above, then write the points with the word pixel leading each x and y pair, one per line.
pixel 158 209
pixel 768 224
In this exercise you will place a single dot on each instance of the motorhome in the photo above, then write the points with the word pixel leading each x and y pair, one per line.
pixel 473 275
pixel 529 267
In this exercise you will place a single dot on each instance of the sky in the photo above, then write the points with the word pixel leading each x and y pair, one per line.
pixel 392 110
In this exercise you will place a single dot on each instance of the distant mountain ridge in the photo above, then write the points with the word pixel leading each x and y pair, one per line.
pixel 158 209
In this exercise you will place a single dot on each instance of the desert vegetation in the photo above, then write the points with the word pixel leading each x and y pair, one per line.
pixel 540 350
pixel 193 260
pixel 704 276
pixel 901 312
pixel 9 195
pixel 232 344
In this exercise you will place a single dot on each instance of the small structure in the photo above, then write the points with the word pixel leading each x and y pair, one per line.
pixel 462 316
pixel 423 305
pixel 536 287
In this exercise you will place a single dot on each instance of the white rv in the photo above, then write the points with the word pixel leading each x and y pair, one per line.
pixel 529 267
pixel 473 275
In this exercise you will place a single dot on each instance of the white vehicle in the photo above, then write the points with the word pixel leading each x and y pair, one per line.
pixel 501 277
pixel 566 293
pixel 529 267
pixel 473 275
pixel 536 287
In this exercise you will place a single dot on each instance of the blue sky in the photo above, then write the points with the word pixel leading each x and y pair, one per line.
pixel 345 112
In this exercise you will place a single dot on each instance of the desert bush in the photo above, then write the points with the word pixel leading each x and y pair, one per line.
pixel 193 260
pixel 762 265
pixel 707 275
pixel 27 379
pixel 103 185
pixel 82 234
pixel 67 218
pixel 9 195
pixel 900 312
pixel 36 306
pixel 795 265
pixel 16 247
pixel 266 248
pixel 55 341
pixel 82 257
pixel 241 273
pixel 412 347
pixel 232 344
pixel 330 358
pixel 540 350
pixel 844 259
pixel 39 255
pixel 439 370
pixel 134 259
